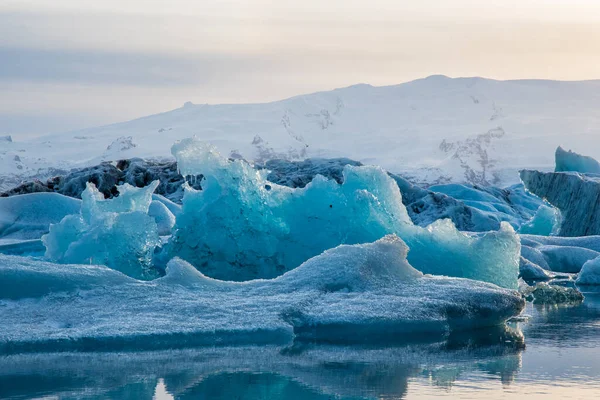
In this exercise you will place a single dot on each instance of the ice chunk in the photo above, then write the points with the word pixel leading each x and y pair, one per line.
pixel 29 216
pixel 575 195
pixel 571 161
pixel 590 273
pixel 513 204
pixel 565 255
pixel 349 293
pixel 545 222
pixel 532 272
pixel 240 226
pixel 23 277
pixel 165 220
pixel 115 232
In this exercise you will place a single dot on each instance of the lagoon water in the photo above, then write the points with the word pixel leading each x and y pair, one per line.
pixel 554 354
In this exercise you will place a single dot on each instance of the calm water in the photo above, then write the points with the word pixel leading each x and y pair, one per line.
pixel 560 357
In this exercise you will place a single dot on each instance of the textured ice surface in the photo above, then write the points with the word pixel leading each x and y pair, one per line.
pixel 571 161
pixel 115 232
pixel 574 194
pixel 545 222
pixel 29 216
pixel 531 271
pixel 473 208
pixel 590 273
pixel 493 205
pixel 350 293
pixel 165 220
pixel 559 254
pixel 241 226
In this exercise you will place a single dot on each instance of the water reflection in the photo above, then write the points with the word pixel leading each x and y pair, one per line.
pixel 304 370
pixel 562 356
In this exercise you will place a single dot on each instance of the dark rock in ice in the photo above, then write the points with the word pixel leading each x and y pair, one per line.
pixel 544 293
pixel 106 176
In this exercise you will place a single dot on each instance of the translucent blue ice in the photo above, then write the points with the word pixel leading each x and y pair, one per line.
pixel 29 216
pixel 545 222
pixel 571 161
pixel 240 226
pixel 115 232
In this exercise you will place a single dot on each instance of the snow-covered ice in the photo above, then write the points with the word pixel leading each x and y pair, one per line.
pixel 29 216
pixel 349 293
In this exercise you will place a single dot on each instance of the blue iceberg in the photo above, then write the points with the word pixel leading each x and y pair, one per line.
pixel 115 232
pixel 240 226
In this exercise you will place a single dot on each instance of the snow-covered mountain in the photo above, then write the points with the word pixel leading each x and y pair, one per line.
pixel 436 129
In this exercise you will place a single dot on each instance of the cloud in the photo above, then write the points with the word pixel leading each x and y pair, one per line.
pixel 105 67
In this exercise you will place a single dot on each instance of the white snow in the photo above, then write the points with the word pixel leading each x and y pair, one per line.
pixel 434 129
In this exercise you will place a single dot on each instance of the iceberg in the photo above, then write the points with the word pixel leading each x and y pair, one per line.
pixel 116 232
pixel 29 216
pixel 240 226
pixel 347 294
pixel 574 194
pixel 590 273
pixel 545 222
pixel 471 208
pixel 570 161
pixel 513 204
pixel 565 255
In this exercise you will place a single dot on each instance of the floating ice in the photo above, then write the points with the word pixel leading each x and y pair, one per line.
pixel 545 222
pixel 590 273
pixel 29 216
pixel 350 293
pixel 115 232
pixel 571 161
pixel 240 226
pixel 560 254
pixel 574 194
pixel 491 205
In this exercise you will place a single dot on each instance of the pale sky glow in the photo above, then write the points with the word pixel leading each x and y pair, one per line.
pixel 75 63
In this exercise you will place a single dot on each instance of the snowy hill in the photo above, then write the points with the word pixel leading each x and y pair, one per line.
pixel 433 130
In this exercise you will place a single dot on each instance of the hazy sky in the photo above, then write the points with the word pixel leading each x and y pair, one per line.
pixel 66 64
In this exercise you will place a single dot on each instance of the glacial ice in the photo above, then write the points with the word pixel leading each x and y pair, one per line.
pixel 29 216
pixel 115 232
pixel 513 204
pixel 349 293
pixel 590 273
pixel 545 222
pixel 566 161
pixel 574 194
pixel 559 254
pixel 471 208
pixel 165 220
pixel 241 226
